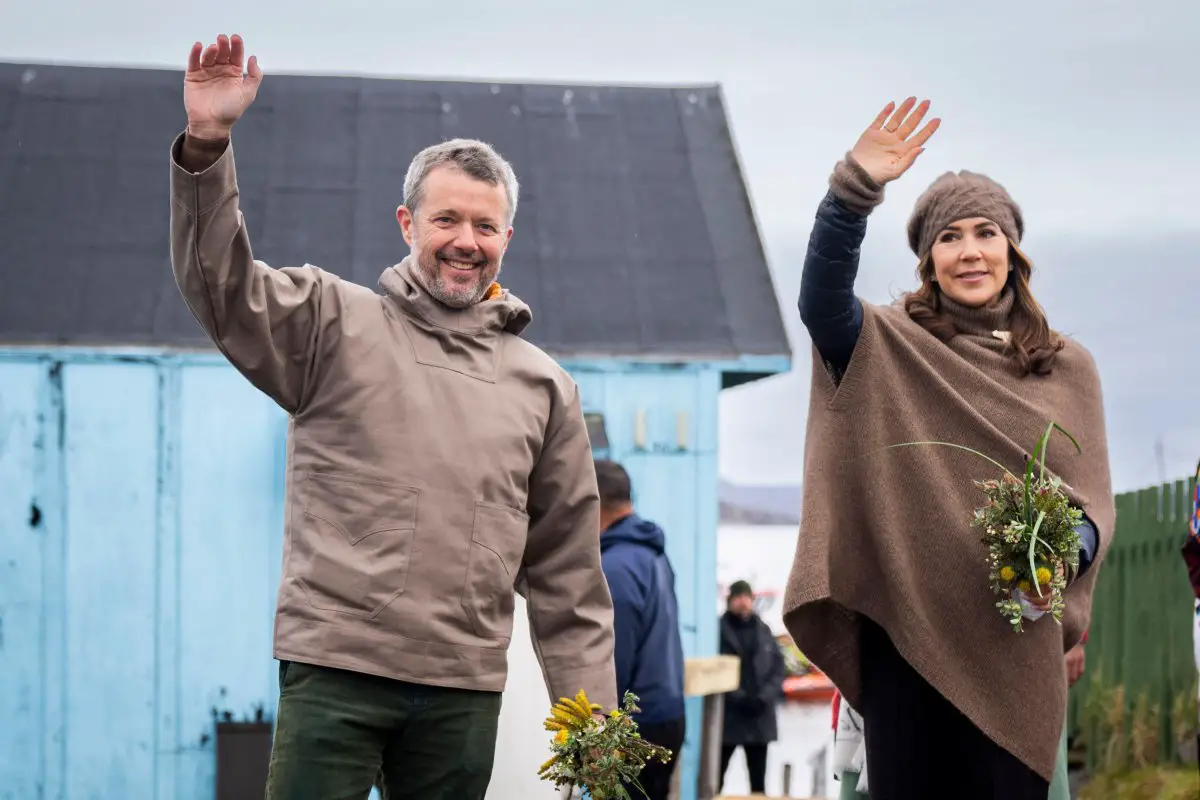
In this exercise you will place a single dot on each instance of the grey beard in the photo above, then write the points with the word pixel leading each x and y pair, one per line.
pixel 431 281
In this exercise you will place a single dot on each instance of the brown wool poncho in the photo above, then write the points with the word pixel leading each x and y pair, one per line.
pixel 886 534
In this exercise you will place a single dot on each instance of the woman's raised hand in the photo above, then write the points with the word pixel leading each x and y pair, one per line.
pixel 888 147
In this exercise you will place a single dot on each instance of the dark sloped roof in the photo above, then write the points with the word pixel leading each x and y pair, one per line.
pixel 634 235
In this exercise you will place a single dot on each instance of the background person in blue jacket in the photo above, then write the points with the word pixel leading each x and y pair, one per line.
pixel 649 650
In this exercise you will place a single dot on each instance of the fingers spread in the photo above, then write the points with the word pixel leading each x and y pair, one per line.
pixel 907 160
pixel 901 113
pixel 913 120
pixel 194 57
pixel 883 115
pixel 237 51
pixel 923 135
pixel 253 79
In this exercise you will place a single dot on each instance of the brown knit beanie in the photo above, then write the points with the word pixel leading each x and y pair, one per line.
pixel 962 195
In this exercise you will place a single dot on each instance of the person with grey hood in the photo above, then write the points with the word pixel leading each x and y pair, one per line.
pixel 436 463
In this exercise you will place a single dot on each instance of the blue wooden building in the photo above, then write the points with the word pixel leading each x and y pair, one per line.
pixel 141 477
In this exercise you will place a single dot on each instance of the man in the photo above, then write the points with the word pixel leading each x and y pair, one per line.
pixel 649 649
pixel 750 721
pixel 435 461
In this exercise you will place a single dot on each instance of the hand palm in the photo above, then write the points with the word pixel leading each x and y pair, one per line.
pixel 887 148
pixel 215 92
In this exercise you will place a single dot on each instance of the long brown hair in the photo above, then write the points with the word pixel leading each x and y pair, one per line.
pixel 1032 344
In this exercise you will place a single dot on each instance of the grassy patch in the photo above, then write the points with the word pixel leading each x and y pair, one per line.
pixel 1163 783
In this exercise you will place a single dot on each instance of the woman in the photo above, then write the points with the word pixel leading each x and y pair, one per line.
pixel 889 589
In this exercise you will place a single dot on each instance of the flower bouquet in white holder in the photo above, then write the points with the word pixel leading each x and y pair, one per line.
pixel 1030 528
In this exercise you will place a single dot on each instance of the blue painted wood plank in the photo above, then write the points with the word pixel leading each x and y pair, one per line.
pixel 111 449
pixel 665 489
pixel 230 519
pixel 51 480
pixel 675 484
pixel 22 531
pixel 708 396
pixel 167 688
pixel 591 394
pixel 705 564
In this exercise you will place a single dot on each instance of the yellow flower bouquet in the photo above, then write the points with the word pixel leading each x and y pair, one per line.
pixel 599 756
pixel 1030 528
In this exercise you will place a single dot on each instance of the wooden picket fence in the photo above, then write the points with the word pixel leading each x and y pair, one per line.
pixel 1137 703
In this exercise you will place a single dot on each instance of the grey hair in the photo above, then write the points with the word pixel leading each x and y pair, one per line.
pixel 477 159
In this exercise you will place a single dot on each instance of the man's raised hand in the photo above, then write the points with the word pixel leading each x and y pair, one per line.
pixel 215 91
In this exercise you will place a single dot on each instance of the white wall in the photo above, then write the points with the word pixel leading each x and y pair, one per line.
pixel 522 744
pixel 761 554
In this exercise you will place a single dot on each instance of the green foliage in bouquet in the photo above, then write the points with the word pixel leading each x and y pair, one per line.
pixel 1029 528
pixel 1026 556
pixel 598 756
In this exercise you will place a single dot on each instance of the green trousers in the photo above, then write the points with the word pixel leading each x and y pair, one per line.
pixel 847 784
pixel 338 733
pixel 1060 789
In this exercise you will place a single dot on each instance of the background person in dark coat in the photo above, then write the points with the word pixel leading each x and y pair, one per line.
pixel 649 649
pixel 750 721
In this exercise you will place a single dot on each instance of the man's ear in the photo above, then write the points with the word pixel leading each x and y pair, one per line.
pixel 405 218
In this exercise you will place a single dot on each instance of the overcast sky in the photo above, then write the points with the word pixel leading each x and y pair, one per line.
pixel 1087 112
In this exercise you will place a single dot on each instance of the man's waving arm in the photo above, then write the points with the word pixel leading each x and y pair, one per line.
pixel 570 609
pixel 266 321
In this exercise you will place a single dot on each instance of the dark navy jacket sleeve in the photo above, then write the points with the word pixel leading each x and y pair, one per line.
pixel 828 306
pixel 629 602
pixel 1088 543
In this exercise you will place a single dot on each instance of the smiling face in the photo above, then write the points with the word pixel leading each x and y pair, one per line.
pixel 458 233
pixel 970 261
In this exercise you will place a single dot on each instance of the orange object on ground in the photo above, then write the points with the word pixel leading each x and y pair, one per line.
pixel 810 688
